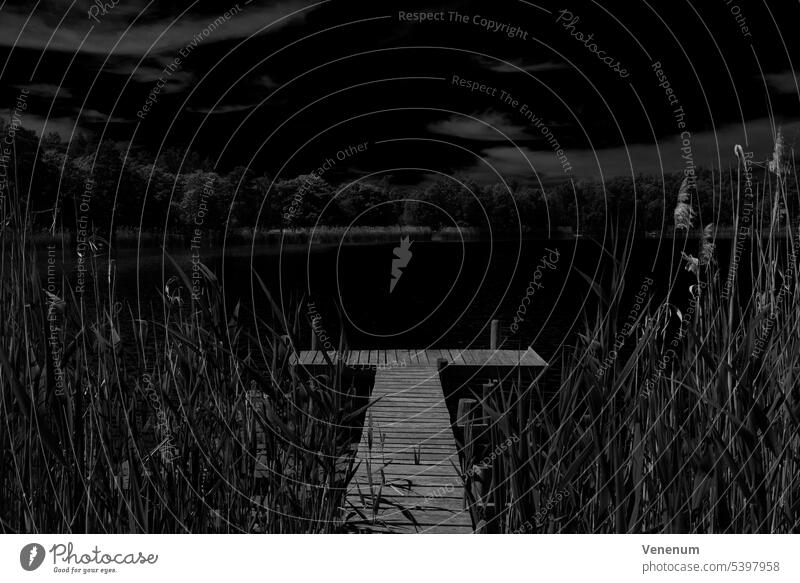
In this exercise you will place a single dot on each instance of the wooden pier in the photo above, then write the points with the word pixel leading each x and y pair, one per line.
pixel 408 478
pixel 409 358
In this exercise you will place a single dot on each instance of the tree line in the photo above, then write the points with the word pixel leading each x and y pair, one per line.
pixel 112 185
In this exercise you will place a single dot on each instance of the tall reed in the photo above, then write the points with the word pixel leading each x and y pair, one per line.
pixel 690 424
pixel 190 423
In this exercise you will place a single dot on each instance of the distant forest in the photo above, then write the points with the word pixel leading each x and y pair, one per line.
pixel 108 189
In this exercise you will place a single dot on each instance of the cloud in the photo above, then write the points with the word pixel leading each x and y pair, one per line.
pixel 708 149
pixel 470 129
pixel 144 37
pixel 511 162
pixel 177 81
pixel 46 90
pixel 79 122
pixel 785 82
pixel 221 109
pixel 63 126
pixel 94 116
pixel 265 81
pixel 514 66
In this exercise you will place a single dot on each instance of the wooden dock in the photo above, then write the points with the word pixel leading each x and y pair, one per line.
pixel 410 358
pixel 408 479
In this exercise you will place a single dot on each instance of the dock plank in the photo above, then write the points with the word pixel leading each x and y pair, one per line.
pixel 409 417
pixel 420 358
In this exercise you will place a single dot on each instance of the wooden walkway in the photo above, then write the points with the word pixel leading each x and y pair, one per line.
pixel 400 358
pixel 407 479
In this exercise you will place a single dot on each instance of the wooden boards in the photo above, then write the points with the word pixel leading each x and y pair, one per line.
pixel 407 479
pixel 405 358
pixel 408 468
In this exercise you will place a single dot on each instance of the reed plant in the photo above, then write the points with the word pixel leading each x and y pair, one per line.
pixel 192 422
pixel 690 425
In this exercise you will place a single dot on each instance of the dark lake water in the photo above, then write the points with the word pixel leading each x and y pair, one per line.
pixel 445 298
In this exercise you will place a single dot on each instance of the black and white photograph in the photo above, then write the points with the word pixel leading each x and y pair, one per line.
pixel 294 267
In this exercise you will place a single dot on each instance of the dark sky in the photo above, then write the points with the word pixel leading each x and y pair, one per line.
pixel 284 86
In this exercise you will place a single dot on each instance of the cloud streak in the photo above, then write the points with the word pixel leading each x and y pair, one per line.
pixel 144 37
pixel 470 129
pixel 784 83
pixel 514 66
pixel 709 149
pixel 221 109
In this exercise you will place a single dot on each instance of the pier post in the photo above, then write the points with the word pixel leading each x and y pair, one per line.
pixel 494 334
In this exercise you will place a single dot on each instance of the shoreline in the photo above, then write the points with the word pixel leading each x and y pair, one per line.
pixel 325 236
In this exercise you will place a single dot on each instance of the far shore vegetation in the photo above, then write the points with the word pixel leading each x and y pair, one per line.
pixel 135 198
